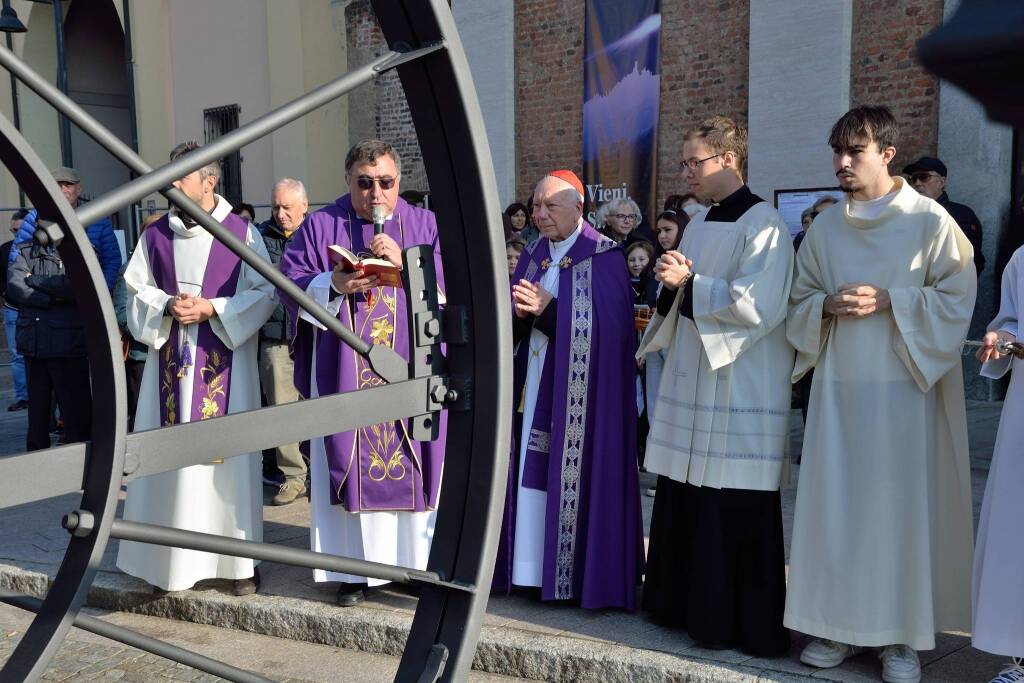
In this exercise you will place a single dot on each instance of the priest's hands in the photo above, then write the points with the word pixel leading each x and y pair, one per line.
pixel 530 298
pixel 672 269
pixel 385 247
pixel 188 309
pixel 990 351
pixel 857 301
pixel 352 283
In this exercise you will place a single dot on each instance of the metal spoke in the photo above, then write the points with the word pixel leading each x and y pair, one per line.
pixel 240 137
pixel 142 642
pixel 193 540
pixel 384 361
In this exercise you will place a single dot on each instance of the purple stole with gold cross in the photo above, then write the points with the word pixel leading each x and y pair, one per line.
pixel 211 382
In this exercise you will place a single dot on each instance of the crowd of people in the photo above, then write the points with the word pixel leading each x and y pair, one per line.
pixel 672 347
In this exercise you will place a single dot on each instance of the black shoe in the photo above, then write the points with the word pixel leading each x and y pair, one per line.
pixel 20 404
pixel 350 594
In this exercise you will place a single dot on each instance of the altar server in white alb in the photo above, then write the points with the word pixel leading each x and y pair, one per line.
pixel 881 301
pixel 999 555
pixel 199 309
pixel 716 565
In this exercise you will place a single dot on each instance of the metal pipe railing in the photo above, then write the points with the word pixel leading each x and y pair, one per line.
pixel 142 642
pixel 235 547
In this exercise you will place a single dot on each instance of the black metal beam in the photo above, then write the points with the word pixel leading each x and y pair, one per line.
pixel 456 156
pixel 106 455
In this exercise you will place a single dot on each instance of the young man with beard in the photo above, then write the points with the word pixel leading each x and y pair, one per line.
pixel 881 301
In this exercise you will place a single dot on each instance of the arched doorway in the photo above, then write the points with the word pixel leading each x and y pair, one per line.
pixel 98 82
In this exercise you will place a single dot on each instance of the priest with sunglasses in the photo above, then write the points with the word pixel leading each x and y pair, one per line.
pixel 373 490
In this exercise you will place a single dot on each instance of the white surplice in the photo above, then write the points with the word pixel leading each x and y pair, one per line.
pixel 395 538
pixel 226 498
pixel 531 504
pixel 722 417
pixel 883 530
pixel 999 554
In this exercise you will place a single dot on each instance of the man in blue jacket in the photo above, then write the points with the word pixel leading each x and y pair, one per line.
pixel 101 233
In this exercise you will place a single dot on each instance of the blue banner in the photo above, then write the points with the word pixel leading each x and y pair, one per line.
pixel 621 90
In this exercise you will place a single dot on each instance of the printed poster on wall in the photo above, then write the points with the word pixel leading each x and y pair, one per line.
pixel 621 89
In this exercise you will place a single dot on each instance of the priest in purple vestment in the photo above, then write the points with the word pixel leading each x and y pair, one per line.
pixel 572 524
pixel 373 490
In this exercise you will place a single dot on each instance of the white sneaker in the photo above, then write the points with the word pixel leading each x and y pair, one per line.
pixel 825 654
pixel 1012 674
pixel 900 665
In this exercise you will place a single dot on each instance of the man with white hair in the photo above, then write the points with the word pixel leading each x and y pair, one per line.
pixel 289 205
pixel 572 524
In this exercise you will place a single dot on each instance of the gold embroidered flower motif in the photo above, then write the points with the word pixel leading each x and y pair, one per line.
pixel 382 331
pixel 169 375
pixel 565 262
pixel 545 264
pixel 212 374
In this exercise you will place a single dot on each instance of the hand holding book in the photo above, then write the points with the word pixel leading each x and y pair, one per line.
pixel 382 271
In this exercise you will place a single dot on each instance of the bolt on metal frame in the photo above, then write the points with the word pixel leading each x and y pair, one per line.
pixel 472 380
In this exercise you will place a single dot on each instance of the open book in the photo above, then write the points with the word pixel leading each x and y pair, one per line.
pixel 388 274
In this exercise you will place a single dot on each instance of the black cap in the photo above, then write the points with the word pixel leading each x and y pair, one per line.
pixel 926 164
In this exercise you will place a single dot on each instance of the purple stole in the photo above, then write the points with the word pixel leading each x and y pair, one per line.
pixel 211 382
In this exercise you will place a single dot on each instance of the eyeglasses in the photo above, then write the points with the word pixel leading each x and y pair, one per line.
pixel 922 177
pixel 365 182
pixel 692 164
pixel 626 216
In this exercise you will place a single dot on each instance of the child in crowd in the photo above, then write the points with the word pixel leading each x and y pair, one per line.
pixel 640 262
pixel 513 248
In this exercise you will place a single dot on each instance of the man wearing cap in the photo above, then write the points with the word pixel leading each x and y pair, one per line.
pixel 572 524
pixel 101 233
pixel 927 175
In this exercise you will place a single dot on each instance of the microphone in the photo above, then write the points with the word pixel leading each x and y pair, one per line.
pixel 378 220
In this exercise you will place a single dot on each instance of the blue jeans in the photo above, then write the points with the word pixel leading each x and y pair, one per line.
pixel 17 361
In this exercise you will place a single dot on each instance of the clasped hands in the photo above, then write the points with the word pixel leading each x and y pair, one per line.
pixel 188 309
pixel 672 269
pixel 530 298
pixel 990 351
pixel 382 246
pixel 857 300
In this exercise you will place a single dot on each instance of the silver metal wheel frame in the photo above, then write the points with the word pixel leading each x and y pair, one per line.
pixel 473 381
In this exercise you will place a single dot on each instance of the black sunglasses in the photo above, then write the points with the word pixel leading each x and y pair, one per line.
pixel 365 182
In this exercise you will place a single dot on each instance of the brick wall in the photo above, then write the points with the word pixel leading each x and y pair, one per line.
pixel 379 109
pixel 705 48
pixel 549 89
pixel 883 70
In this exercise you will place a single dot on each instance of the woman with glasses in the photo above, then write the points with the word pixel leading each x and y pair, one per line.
pixel 618 219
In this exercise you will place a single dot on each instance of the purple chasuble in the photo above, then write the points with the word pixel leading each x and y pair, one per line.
pixel 377 467
pixel 211 381
pixel 582 443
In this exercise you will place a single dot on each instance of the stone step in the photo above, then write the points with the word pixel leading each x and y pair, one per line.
pixel 503 650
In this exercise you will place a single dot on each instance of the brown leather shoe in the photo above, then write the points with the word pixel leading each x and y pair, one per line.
pixel 248 586
pixel 289 492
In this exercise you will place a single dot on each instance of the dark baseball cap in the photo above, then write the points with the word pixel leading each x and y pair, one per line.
pixel 926 164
